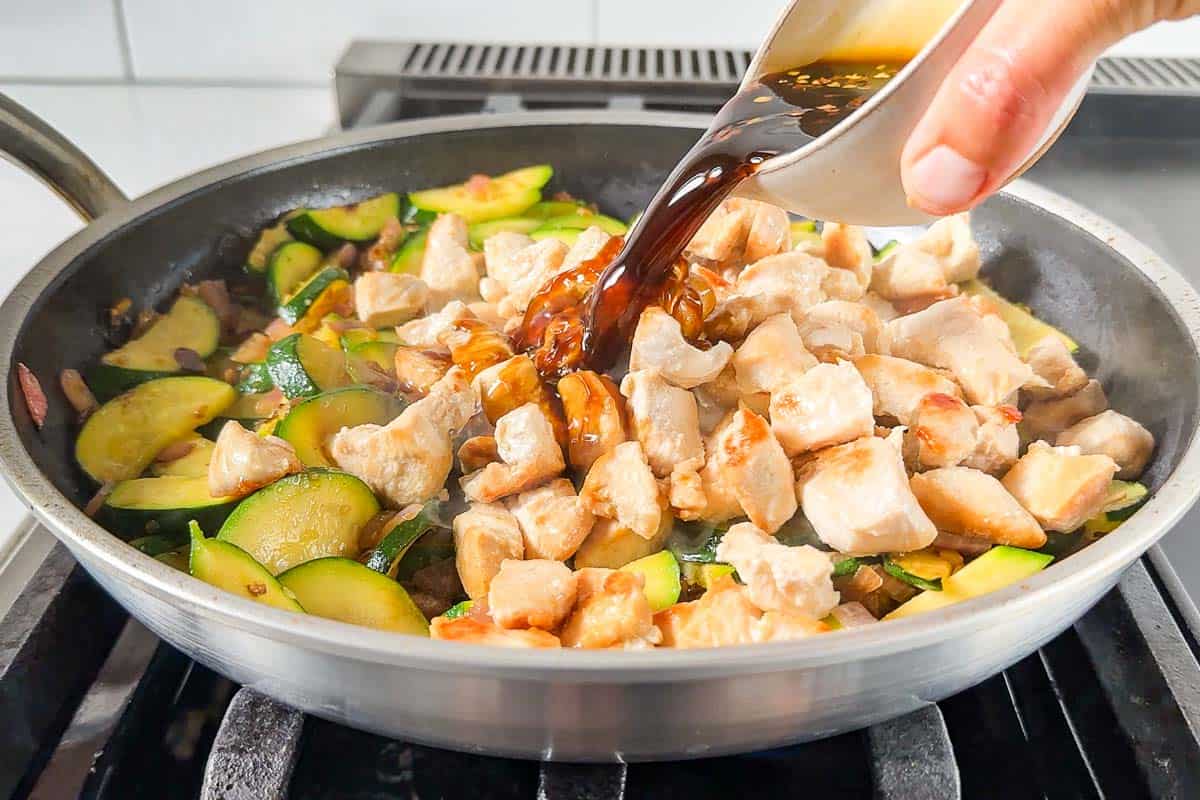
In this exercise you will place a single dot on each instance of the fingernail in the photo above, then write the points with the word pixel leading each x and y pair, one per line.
pixel 945 180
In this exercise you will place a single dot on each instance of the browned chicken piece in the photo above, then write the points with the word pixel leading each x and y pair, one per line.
pixel 685 494
pixel 797 580
pixel 409 459
pixel 620 486
pixel 469 630
pixel 612 611
pixel 770 230
pixel 476 453
pixel 474 345
pixel 908 273
pixel 748 463
pixel 611 545
pixel 949 240
pixel 1059 486
pixel 717 501
pixel 418 370
pixel 595 413
pixel 243 461
pixel 968 502
pixel 846 247
pixel 722 237
pixel 858 499
pixel 997 442
pixel 824 319
pixel 830 404
pixel 1115 435
pixel 485 535
pixel 952 334
pixel 665 420
pixel 722 394
pixel 944 431
pixel 531 268
pixel 426 333
pixel 529 456
pixel 498 252
pixel 385 299
pixel 538 593
pixel 658 344
pixel 724 615
pixel 771 355
pixel 1053 363
pixel 897 385
pixel 586 247
pixel 511 384
pixel 449 268
pixel 553 520
pixel 1046 419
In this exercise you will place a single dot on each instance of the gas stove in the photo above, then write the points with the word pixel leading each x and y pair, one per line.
pixel 94 706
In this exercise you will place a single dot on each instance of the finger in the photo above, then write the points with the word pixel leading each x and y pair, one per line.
pixel 997 101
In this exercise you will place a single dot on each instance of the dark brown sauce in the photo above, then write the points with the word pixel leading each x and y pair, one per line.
pixel 590 314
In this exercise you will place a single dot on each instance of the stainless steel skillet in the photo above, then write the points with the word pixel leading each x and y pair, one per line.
pixel 1138 320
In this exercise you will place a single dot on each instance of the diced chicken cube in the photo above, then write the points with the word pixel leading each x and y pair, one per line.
pixel 951 242
pixel 665 420
pixel 908 273
pixel 485 536
pixel 243 461
pixel 897 385
pixel 997 442
pixel 944 431
pixel 498 252
pixel 770 230
pixel 511 384
pixel 830 404
pixel 538 593
pixel 1053 363
pixel 1060 486
pixel 426 333
pixel 586 247
pixel 953 335
pixel 846 247
pixel 469 630
pixel 533 266
pixel 658 344
pixel 409 459
pixel 488 313
pixel 724 615
pixel 449 268
pixel 858 499
pixel 789 282
pixel 418 370
pixel 384 299
pixel 1046 419
pixel 843 315
pixel 968 502
pixel 553 520
pixel 529 456
pixel 612 611
pixel 611 545
pixel 748 464
pixel 621 486
pixel 595 413
pixel 771 355
pixel 1115 435
pixel 883 308
pixel 796 580
pixel 722 237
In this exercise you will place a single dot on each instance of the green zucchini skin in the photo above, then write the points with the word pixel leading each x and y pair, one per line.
pixel 662 578
pixel 581 222
pixel 268 240
pixel 290 266
pixel 345 590
pixel 385 558
pixel 847 566
pixel 302 366
pixel 410 255
pixel 231 568
pixel 297 304
pixel 107 381
pixel 256 378
pixel 159 543
pixel 548 209
pixel 899 573
pixel 460 609
pixel 328 228
pixel 508 195
pixel 142 507
pixel 482 231
pixel 310 423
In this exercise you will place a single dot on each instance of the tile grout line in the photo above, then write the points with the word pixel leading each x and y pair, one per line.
pixel 123 39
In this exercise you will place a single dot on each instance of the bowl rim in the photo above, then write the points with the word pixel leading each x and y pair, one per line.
pixel 99 549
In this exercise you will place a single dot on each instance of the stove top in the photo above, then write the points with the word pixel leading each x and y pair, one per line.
pixel 93 706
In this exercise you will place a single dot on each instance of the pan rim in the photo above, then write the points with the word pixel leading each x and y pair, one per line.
pixel 188 595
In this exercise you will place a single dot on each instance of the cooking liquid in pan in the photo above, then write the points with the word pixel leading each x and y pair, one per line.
pixel 588 314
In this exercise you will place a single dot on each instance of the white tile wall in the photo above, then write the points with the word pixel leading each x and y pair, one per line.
pixel 59 39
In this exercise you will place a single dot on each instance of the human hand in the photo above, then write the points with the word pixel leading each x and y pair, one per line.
pixel 998 100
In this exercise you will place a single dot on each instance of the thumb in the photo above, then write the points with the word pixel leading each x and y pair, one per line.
pixel 997 101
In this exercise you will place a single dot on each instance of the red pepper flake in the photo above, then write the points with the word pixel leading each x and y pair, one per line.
pixel 35 398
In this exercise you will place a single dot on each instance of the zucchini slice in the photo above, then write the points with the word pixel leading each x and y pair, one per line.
pixel 345 590
pixel 995 569
pixel 381 354
pixel 121 439
pixel 460 609
pixel 256 378
pixel 803 230
pixel 192 465
pixel 290 266
pixel 567 236
pixel 661 572
pixel 1124 498
pixel 303 366
pixel 143 506
pixel 296 305
pixel 911 578
pixel 385 558
pixel 581 222
pixel 178 559
pixel 310 424
pixel 159 543
pixel 548 209
pixel 231 568
pixel 846 566
pixel 327 228
pixel 189 324
pixel 886 250
pixel 356 336
pixel 410 255
pixel 506 195
pixel 482 231
pixel 1026 329
pixel 301 517
pixel 265 245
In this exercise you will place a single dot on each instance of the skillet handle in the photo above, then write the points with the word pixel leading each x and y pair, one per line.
pixel 31 143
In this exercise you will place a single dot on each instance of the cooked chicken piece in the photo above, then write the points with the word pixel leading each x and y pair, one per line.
pixel 511 384
pixel 620 486
pixel 831 343
pixel 830 404
pixel 418 370
pixel 796 580
pixel 485 535
pixel 474 345
pixel 476 453
pixel 532 267
pixel 470 630
pixel 665 420
pixel 842 284
pixel 722 237
pixel 1060 486
pixel 907 273
pixel 685 494
pixel 724 615
pixel 789 282
pixel 529 456
pixel 968 502
pixel 944 431
pixel 553 520
pixel 383 299
pixel 658 344
pixel 498 252
pixel 857 318
pixel 611 545
pixel 846 247
pixel 409 459
pixel 595 413
pixel 748 465
pixel 1000 330
pixel 720 499
pixel 884 310
pixel 951 242
pixel 243 461
pixel 770 230
pixel 997 443
pixel 897 385
pixel 426 333
pixel 538 593
pixel 858 500
pixel 1053 363
pixel 1046 419
pixel 491 290
pixel 770 356
pixel 488 313
pixel 586 247
pixel 449 268
pixel 952 334
pixel 1114 435
pixel 612 611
